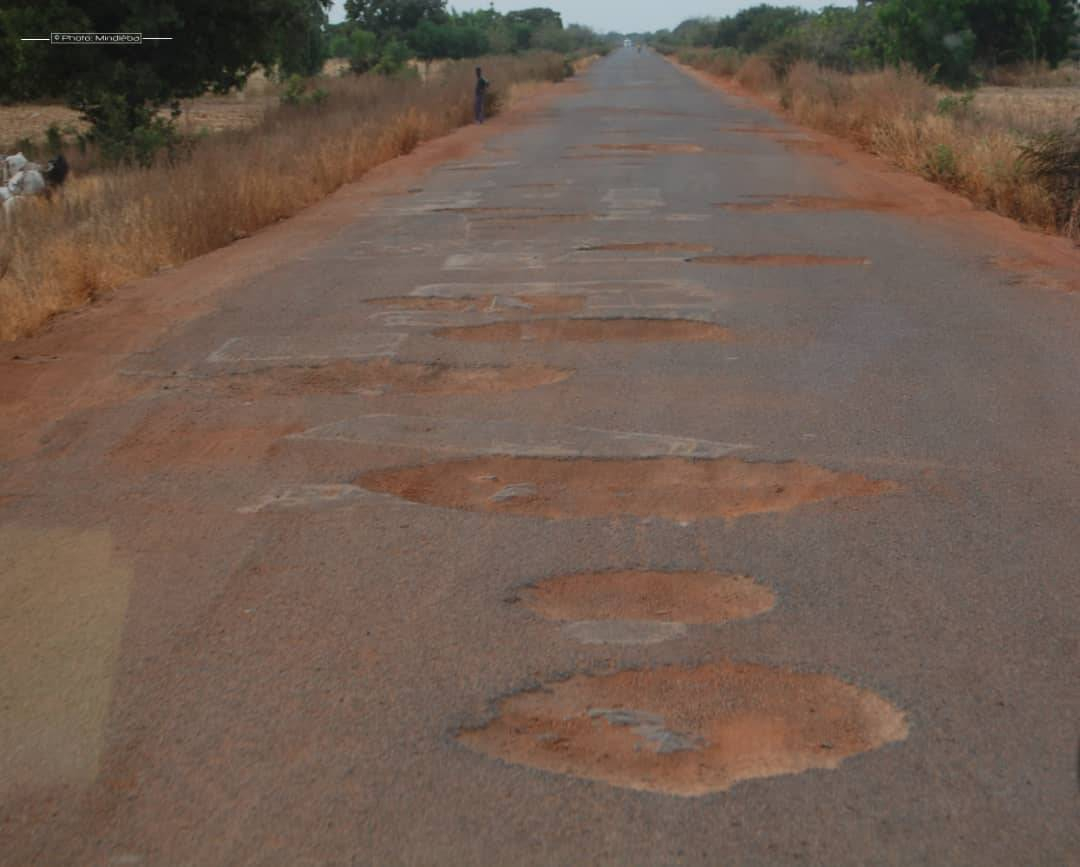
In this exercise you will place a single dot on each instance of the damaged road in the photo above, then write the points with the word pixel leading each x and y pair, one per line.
pixel 470 518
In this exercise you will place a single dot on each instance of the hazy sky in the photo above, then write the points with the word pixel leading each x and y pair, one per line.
pixel 625 16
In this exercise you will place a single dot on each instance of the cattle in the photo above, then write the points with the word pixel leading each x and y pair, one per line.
pixel 21 177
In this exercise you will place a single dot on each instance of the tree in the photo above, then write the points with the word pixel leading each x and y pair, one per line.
pixel 303 47
pixel 394 18
pixel 931 35
pixel 215 45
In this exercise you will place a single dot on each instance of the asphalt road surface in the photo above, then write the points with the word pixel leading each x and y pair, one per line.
pixel 632 490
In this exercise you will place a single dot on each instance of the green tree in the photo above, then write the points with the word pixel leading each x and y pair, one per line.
pixel 931 35
pixel 394 18
pixel 215 45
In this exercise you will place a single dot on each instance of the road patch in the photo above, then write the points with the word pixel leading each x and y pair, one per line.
pixel 317 347
pixel 782 260
pixel 625 330
pixel 382 376
pixel 673 488
pixel 510 438
pixel 689 731
pixel 646 247
pixel 654 147
pixel 797 204
pixel 492 262
pixel 680 597
pixel 509 303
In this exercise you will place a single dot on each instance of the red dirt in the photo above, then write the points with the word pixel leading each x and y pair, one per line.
pixel 590 331
pixel 689 731
pixel 779 259
pixel 348 377
pixel 681 597
pixel 480 303
pixel 172 435
pixel 672 488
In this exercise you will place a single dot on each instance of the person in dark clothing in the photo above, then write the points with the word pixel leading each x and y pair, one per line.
pixel 482 85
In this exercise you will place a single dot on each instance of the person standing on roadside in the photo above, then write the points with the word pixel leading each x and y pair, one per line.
pixel 482 85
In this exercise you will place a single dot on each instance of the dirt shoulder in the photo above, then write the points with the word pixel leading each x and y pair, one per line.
pixel 74 361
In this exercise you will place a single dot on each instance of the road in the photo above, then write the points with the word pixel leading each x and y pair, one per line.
pixel 643 486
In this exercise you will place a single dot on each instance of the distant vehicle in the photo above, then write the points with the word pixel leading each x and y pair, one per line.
pixel 627 43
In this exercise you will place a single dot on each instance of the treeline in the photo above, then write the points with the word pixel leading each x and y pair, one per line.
pixel 384 34
pixel 953 40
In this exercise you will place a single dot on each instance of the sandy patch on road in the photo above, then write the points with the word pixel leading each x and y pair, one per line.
pixel 689 731
pixel 674 488
pixel 65 597
pixel 350 377
pixel 680 597
pixel 590 331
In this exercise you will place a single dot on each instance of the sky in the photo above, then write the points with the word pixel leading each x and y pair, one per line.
pixel 624 16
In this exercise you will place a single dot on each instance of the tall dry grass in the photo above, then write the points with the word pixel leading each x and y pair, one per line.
pixel 108 228
pixel 946 138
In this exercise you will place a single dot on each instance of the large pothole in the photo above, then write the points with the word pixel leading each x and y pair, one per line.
pixel 383 375
pixel 689 731
pixel 590 331
pixel 680 597
pixel 673 488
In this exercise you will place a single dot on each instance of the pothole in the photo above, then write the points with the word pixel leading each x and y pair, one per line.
pixel 487 303
pixel 689 731
pixel 647 247
pixel 654 147
pixel 786 260
pixel 794 204
pixel 681 597
pixel 375 377
pixel 672 488
pixel 590 331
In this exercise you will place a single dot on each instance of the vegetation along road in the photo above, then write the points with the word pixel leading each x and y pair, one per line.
pixel 634 479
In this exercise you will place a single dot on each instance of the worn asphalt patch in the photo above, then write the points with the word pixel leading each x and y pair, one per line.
pixel 797 204
pixel 688 731
pixel 682 597
pixel 672 488
pixel 383 375
pixel 508 303
pixel 627 330
pixel 647 247
pixel 784 260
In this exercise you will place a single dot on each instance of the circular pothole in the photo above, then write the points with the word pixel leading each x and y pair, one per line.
pixel 689 731
pixel 673 488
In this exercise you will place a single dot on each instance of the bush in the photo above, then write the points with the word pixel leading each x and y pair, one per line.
pixel 1054 159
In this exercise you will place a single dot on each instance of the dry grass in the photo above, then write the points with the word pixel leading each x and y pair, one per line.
pixel 1034 75
pixel 106 229
pixel 975 146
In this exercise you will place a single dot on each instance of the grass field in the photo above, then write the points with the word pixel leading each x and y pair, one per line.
pixel 108 227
